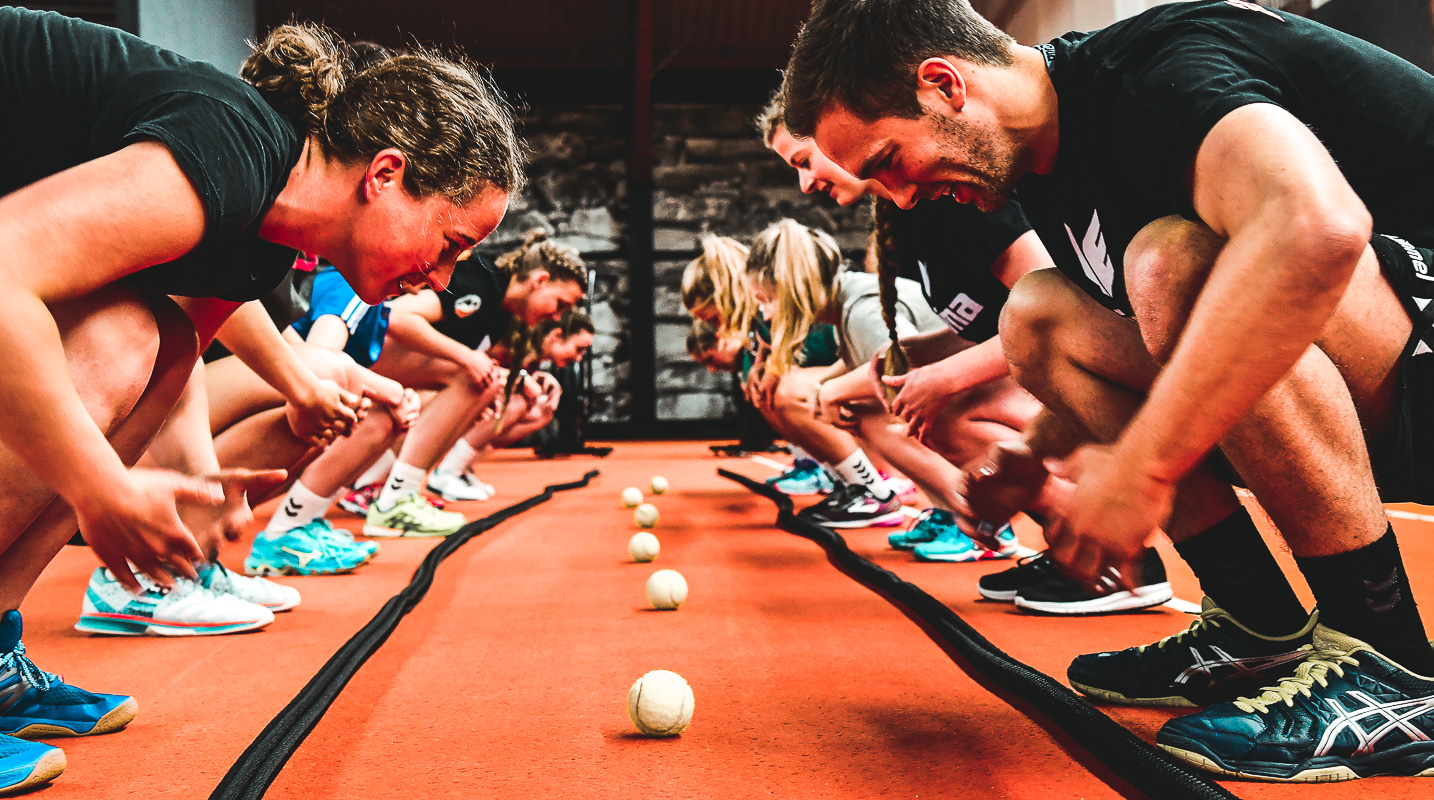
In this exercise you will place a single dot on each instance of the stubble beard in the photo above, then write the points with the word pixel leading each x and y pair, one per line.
pixel 989 162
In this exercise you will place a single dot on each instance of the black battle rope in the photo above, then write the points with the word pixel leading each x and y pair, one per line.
pixel 261 762
pixel 1122 760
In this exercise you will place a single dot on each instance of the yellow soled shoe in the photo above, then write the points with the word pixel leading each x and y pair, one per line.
pixel 412 516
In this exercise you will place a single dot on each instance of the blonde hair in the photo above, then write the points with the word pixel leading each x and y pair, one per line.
pixel 801 264
pixel 716 277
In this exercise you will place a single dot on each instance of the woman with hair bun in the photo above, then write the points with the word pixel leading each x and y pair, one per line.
pixel 133 173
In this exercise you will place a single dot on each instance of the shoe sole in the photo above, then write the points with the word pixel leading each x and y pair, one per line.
pixel 1008 596
pixel 981 555
pixel 378 532
pixel 1141 597
pixel 1116 698
pixel 50 766
pixel 269 570
pixel 118 625
pixel 119 716
pixel 1332 774
pixel 456 499
pixel 883 521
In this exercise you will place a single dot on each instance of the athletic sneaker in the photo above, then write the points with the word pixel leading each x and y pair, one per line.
pixel 904 488
pixel 25 765
pixel 1347 712
pixel 412 516
pixel 1029 571
pixel 357 500
pixel 276 597
pixel 925 528
pixel 854 506
pixel 312 549
pixel 956 547
pixel 1062 595
pixel 803 478
pixel 1214 660
pixel 41 705
pixel 458 488
pixel 188 609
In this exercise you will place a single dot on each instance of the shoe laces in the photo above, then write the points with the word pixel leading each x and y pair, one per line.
pixel 1314 670
pixel 1207 619
pixel 21 663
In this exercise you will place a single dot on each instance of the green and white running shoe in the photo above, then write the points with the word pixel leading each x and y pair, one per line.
pixel 312 549
pixel 412 516
pixel 188 609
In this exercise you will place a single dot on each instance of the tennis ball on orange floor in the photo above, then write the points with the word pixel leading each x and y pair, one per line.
pixel 660 703
pixel 658 484
pixel 631 496
pixel 666 589
pixel 645 516
pixel 643 546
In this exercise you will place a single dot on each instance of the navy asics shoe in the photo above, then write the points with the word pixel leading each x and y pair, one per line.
pixel 25 765
pixel 35 704
pixel 1214 660
pixel 1347 712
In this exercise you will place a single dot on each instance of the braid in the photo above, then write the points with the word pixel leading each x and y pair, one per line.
pixel 519 342
pixel 888 266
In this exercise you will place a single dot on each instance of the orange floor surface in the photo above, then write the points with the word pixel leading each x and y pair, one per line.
pixel 510 679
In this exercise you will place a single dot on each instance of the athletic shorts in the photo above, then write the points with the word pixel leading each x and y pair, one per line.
pixel 1410 478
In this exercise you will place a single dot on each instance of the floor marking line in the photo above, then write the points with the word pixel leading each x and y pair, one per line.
pixel 767 462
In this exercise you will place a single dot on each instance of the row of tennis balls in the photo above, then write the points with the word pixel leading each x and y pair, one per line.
pixel 660 703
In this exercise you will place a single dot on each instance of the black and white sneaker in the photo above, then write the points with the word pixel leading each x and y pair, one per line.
pixel 1216 659
pixel 1032 570
pixel 853 506
pixel 1061 595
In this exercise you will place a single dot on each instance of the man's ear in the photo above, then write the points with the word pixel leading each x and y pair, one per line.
pixel 385 172
pixel 939 82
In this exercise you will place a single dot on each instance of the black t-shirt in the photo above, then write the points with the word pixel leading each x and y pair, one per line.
pixel 1137 99
pixel 73 92
pixel 949 249
pixel 473 304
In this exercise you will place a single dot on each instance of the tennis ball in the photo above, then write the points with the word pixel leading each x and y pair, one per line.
pixel 631 496
pixel 658 484
pixel 660 703
pixel 645 516
pixel 643 546
pixel 666 589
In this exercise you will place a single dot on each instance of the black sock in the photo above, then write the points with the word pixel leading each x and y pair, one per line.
pixel 1364 593
pixel 1238 572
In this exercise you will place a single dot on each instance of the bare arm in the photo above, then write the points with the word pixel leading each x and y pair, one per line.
pixel 1295 231
pixel 410 322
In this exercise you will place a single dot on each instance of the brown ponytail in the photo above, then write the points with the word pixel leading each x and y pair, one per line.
pixel 887 247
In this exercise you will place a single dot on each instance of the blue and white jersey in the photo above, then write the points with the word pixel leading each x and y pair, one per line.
pixel 367 324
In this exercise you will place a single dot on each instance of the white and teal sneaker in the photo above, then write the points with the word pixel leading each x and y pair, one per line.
pixel 803 478
pixel 312 549
pixel 926 528
pixel 954 546
pixel 188 609
pixel 412 516
pixel 273 596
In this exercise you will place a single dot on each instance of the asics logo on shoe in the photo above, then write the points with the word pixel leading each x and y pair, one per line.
pixel 1250 667
pixel 304 557
pixel 13 691
pixel 1392 717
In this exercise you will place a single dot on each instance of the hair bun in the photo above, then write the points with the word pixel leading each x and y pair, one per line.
pixel 299 69
pixel 535 236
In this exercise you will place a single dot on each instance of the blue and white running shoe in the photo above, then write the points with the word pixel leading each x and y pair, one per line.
pixel 926 528
pixel 188 609
pixel 37 704
pixel 954 546
pixel 313 549
pixel 25 765
pixel 804 477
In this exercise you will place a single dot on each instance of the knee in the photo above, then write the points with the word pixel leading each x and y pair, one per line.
pixel 794 394
pixel 1165 266
pixel 1041 304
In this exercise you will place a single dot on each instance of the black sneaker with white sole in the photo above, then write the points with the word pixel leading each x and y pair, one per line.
pixel 1062 596
pixel 1029 571
pixel 853 506
pixel 1214 660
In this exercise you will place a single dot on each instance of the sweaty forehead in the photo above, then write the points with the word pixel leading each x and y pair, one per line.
pixel 848 141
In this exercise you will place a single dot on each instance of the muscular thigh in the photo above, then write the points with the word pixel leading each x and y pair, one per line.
pixel 414 370
pixel 235 393
pixel 1365 339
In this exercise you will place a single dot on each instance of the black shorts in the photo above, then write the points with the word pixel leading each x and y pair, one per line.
pixel 1410 476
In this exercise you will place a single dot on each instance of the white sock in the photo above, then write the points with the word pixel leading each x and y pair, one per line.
pixel 403 480
pixel 378 470
pixel 300 507
pixel 458 458
pixel 858 469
